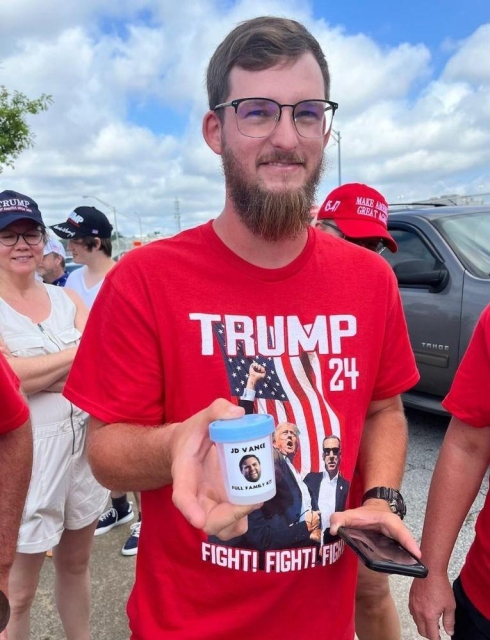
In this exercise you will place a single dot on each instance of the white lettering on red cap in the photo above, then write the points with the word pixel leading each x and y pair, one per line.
pixel 368 207
pixel 332 205
pixel 367 202
pixel 366 211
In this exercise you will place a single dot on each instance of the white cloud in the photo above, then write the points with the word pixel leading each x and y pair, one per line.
pixel 470 61
pixel 404 129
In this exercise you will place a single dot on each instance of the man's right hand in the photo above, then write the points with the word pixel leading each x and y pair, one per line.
pixel 198 489
pixel 256 372
pixel 430 599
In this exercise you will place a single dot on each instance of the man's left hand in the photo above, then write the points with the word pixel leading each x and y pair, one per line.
pixel 376 515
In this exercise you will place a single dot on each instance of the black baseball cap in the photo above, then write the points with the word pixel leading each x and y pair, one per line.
pixel 16 206
pixel 83 222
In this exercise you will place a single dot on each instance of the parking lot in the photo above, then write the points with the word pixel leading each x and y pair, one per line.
pixel 112 573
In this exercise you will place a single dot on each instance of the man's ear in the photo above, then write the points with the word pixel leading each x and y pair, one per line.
pixel 211 131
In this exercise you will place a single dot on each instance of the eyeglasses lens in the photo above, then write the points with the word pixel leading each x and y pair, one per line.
pixel 257 118
pixel 9 239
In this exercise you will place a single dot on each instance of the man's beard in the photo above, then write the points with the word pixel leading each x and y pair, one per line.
pixel 271 215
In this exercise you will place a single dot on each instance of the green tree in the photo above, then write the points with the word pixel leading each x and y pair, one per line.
pixel 15 133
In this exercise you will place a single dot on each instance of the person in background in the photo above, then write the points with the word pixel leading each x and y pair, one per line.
pixel 41 326
pixel 171 345
pixel 88 232
pixel 359 214
pixel 15 473
pixel 461 468
pixel 52 267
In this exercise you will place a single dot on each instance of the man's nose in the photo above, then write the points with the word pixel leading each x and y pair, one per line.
pixel 285 135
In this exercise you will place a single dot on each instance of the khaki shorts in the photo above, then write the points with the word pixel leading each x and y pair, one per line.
pixel 63 493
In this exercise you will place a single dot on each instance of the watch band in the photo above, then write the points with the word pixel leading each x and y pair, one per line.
pixel 392 496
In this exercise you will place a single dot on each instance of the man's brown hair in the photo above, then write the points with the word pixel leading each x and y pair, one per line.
pixel 90 242
pixel 258 44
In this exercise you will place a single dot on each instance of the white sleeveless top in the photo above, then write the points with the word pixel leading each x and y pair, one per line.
pixel 26 338
pixel 76 281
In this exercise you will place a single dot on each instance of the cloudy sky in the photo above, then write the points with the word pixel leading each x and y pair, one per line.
pixel 127 80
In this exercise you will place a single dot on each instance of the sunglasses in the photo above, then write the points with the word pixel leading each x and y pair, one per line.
pixel 329 450
pixel 378 245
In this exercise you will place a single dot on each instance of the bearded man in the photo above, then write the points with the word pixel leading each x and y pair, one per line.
pixel 256 284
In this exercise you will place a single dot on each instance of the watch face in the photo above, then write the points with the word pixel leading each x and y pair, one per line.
pixel 4 611
pixel 392 496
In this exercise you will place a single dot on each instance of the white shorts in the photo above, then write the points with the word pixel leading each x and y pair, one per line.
pixel 63 493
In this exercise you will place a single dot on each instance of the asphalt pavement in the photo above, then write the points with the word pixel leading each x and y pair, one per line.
pixel 112 574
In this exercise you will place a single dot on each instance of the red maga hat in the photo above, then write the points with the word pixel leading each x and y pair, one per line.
pixel 359 211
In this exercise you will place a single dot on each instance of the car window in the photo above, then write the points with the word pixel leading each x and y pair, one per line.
pixel 410 247
pixel 469 236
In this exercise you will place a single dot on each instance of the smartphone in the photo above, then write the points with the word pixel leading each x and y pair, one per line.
pixel 380 553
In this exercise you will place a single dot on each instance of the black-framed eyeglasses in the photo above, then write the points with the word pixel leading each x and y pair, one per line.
pixel 328 450
pixel 258 117
pixel 10 238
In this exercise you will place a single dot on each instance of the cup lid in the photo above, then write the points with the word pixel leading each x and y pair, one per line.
pixel 248 427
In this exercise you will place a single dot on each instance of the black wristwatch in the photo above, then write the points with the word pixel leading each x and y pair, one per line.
pixel 4 611
pixel 393 497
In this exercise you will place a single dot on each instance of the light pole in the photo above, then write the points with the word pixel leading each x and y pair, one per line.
pixel 177 212
pixel 114 211
pixel 337 138
pixel 139 220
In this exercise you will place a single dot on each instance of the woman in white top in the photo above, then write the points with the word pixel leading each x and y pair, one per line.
pixel 40 328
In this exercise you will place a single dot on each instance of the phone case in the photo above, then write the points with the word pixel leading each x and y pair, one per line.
pixel 416 570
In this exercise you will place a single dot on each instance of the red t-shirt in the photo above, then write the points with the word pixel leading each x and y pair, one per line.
pixel 469 401
pixel 176 325
pixel 14 410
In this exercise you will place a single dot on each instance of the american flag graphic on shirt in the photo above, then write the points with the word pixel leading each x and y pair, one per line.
pixel 291 391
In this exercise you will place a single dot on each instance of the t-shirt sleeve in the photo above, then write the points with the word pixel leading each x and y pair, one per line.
pixel 119 354
pixel 397 371
pixel 469 396
pixel 14 410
